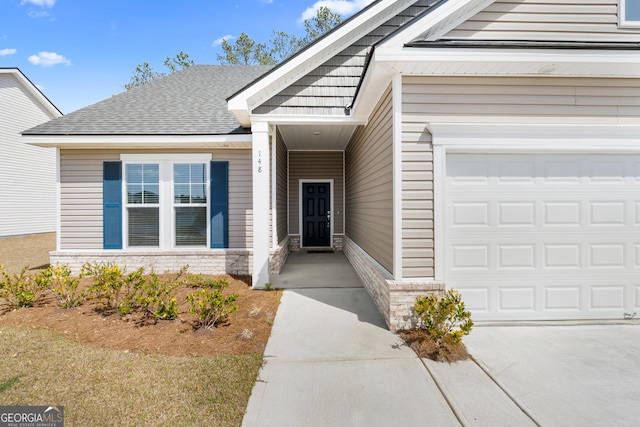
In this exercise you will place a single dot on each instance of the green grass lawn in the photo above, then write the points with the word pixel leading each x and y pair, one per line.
pixel 115 388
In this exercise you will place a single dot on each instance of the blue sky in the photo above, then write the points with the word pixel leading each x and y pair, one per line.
pixel 79 52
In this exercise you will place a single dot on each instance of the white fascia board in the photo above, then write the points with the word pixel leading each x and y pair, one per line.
pixel 284 119
pixel 139 141
pixel 529 62
pixel 468 138
pixel 34 91
pixel 290 71
pixel 375 82
pixel 438 21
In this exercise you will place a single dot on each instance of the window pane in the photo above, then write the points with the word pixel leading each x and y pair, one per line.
pixel 198 173
pixel 182 193
pixel 144 227
pixel 190 183
pixel 134 193
pixel 181 173
pixel 143 183
pixel 632 10
pixel 191 226
pixel 151 193
pixel 134 174
pixel 151 173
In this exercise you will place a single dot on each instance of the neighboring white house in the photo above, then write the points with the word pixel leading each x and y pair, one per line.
pixel 491 146
pixel 27 173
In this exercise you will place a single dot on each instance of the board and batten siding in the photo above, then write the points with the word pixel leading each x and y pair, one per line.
pixel 27 173
pixel 81 196
pixel 545 20
pixel 369 185
pixel 316 165
pixel 282 173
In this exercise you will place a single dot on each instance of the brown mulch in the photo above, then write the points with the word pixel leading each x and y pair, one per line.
pixel 426 346
pixel 245 331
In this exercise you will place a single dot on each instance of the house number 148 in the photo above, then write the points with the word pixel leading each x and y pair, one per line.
pixel 259 161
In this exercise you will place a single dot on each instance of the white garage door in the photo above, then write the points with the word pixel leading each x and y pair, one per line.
pixel 544 236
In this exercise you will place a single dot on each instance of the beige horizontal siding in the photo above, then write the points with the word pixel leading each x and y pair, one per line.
pixel 27 173
pixel 417 203
pixel 316 165
pixel 81 196
pixel 369 185
pixel 546 20
pixel 484 100
pixel 496 99
pixel 282 173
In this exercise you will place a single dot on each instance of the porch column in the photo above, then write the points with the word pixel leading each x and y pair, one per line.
pixel 261 196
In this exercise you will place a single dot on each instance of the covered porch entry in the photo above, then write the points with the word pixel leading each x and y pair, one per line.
pixel 321 269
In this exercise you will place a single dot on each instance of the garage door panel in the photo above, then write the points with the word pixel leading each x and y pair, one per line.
pixel 543 236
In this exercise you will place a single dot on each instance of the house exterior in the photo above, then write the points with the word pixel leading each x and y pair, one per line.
pixel 27 173
pixel 487 146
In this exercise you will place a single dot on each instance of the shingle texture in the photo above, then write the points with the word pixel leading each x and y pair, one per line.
pixel 188 102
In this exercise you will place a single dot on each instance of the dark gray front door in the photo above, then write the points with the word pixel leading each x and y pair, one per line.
pixel 316 210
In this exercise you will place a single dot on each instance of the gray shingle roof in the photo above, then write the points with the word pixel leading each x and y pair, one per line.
pixel 188 102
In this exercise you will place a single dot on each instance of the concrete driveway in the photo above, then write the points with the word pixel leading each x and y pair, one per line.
pixel 569 375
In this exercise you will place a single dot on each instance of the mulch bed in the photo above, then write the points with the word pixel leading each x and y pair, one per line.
pixel 426 346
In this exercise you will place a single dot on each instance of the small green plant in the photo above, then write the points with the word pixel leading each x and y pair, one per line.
pixel 158 297
pixel 64 285
pixel 22 289
pixel 267 286
pixel 445 318
pixel 211 306
pixel 202 281
pixel 107 283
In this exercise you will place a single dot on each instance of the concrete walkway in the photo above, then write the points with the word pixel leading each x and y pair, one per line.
pixel 331 361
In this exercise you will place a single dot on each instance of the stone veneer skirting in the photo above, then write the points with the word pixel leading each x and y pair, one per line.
pixel 215 261
pixel 294 242
pixel 279 256
pixel 394 299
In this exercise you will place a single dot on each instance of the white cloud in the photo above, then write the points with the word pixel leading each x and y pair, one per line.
pixel 342 7
pixel 267 1
pixel 41 3
pixel 38 14
pixel 7 52
pixel 219 41
pixel 48 59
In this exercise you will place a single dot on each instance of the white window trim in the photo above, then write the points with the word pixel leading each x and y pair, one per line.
pixel 622 18
pixel 166 206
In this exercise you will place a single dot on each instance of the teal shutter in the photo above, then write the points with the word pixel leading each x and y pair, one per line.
pixel 219 204
pixel 112 205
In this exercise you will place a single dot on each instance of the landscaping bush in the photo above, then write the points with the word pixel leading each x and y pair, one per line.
pixel 22 289
pixel 211 306
pixel 158 297
pixel 63 285
pixel 445 318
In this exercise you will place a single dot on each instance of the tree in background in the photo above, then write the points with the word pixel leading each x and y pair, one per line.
pixel 245 51
pixel 144 72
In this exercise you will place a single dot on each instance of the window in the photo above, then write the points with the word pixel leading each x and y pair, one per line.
pixel 165 201
pixel 629 13
pixel 143 204
pixel 190 203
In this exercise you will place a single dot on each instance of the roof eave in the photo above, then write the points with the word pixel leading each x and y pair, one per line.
pixel 239 141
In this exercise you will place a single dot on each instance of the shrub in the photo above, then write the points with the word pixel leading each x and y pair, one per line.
pixel 445 318
pixel 64 285
pixel 22 289
pixel 211 306
pixel 112 289
pixel 158 297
